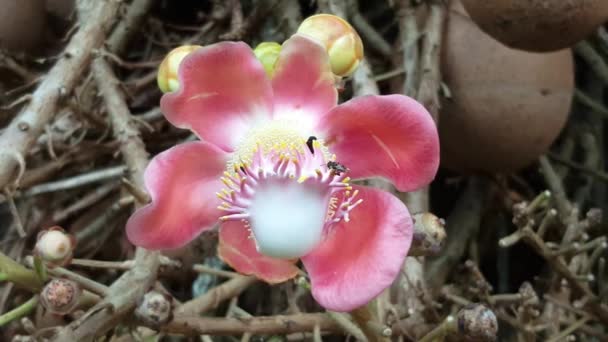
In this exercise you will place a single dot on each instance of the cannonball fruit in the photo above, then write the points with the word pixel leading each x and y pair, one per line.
pixel 538 25
pixel 507 106
pixel 22 24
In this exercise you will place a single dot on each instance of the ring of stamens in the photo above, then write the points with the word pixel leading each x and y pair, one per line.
pixel 290 163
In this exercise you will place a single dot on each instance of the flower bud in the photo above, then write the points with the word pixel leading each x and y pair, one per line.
pixel 342 42
pixel 60 296
pixel 54 246
pixel 477 323
pixel 429 235
pixel 154 309
pixel 167 71
pixel 268 53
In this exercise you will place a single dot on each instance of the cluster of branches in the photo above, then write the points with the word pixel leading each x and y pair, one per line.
pixel 74 149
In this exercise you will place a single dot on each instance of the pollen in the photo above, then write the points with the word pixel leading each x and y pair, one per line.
pixel 286 138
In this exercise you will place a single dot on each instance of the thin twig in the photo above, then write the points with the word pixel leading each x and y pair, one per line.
pixel 595 61
pixel 347 325
pixel 215 296
pixel 557 189
pixel 19 311
pixel 195 325
pixel 372 38
pixel 557 264
pixel 214 271
pixel 585 99
pixel 85 282
pixel 127 28
pixel 603 176
pixel 112 172
pixel 430 79
pixel 448 326
pixel 86 201
pixel 408 30
pixel 15 212
pixel 569 330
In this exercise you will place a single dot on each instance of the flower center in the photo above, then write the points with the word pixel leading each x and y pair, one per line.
pixel 287 189
pixel 284 136
pixel 287 219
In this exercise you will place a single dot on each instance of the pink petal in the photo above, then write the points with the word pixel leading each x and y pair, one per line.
pixel 182 183
pixel 238 250
pixel 223 91
pixel 361 258
pixel 303 83
pixel 385 136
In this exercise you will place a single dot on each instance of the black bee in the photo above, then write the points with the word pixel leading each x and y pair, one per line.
pixel 309 143
pixel 336 167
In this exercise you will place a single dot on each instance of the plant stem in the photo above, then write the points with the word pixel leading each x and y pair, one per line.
pixel 18 274
pixel 448 326
pixel 19 311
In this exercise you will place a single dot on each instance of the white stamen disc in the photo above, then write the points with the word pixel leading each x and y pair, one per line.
pixel 287 219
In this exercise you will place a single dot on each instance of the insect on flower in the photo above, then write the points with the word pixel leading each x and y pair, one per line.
pixel 310 144
pixel 266 169
pixel 336 167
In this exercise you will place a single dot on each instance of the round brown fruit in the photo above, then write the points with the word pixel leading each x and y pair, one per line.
pixel 22 24
pixel 538 25
pixel 507 106
pixel 60 8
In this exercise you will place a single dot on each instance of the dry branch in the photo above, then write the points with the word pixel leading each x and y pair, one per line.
pixel 408 30
pixel 430 79
pixel 123 295
pixel 215 296
pixel 23 131
pixel 193 325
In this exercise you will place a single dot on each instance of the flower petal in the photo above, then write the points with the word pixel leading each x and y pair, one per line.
pixel 223 90
pixel 362 257
pixel 303 83
pixel 238 250
pixel 388 136
pixel 182 183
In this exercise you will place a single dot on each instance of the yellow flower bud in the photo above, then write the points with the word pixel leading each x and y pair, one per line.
pixel 268 53
pixel 167 71
pixel 342 42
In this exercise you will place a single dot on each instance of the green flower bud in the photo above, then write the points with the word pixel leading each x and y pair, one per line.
pixel 268 53
pixel 167 71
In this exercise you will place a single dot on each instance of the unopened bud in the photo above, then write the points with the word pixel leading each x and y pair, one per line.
pixel 594 216
pixel 342 42
pixel 429 235
pixel 268 53
pixel 528 294
pixel 60 296
pixel 167 71
pixel 55 247
pixel 477 323
pixel 154 309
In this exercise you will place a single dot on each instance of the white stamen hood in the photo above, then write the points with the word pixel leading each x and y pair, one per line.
pixel 287 219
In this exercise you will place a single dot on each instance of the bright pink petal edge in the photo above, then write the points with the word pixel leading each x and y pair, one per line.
pixel 182 183
pixel 361 258
pixel 389 136
pixel 303 83
pixel 223 91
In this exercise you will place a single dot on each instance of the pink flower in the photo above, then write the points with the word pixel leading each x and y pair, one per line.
pixel 259 170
